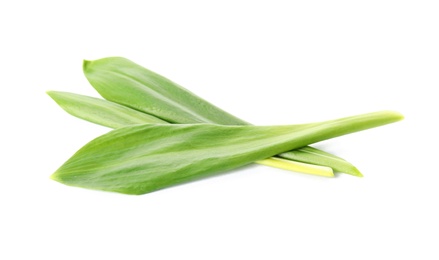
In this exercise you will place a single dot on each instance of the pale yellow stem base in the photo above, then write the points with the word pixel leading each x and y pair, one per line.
pixel 297 166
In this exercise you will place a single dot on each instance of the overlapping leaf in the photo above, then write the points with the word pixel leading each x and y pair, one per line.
pixel 144 158
pixel 113 115
pixel 100 111
pixel 124 82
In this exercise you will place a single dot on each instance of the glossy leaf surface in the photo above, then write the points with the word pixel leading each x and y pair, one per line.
pixel 144 158
pixel 113 115
pixel 123 81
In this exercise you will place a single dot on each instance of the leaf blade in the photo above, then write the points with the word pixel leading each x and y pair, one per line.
pixel 145 158
pixel 127 83
pixel 122 81
pixel 102 112
pixel 113 115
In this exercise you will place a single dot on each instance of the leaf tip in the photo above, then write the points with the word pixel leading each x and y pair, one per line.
pixel 352 170
pixel 56 177
pixel 57 96
pixel 398 115
pixel 85 64
pixel 359 174
pixel 51 93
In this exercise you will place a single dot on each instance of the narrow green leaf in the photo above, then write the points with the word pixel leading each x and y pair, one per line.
pixel 315 156
pixel 123 81
pixel 144 158
pixel 113 115
pixel 100 111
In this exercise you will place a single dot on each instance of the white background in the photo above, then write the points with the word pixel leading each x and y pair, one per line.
pixel 269 62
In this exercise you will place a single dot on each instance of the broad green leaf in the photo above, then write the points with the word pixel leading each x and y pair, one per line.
pixel 144 158
pixel 113 115
pixel 123 81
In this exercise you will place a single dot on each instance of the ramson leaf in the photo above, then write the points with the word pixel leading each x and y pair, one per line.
pixel 101 111
pixel 144 158
pixel 113 115
pixel 124 82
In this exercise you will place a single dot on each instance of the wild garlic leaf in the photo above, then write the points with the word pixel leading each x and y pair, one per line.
pixel 113 115
pixel 144 158
pixel 123 81
pixel 102 112
pixel 312 155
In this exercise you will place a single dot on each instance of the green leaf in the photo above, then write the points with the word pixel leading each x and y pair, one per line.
pixel 100 111
pixel 123 81
pixel 144 158
pixel 113 115
pixel 315 156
